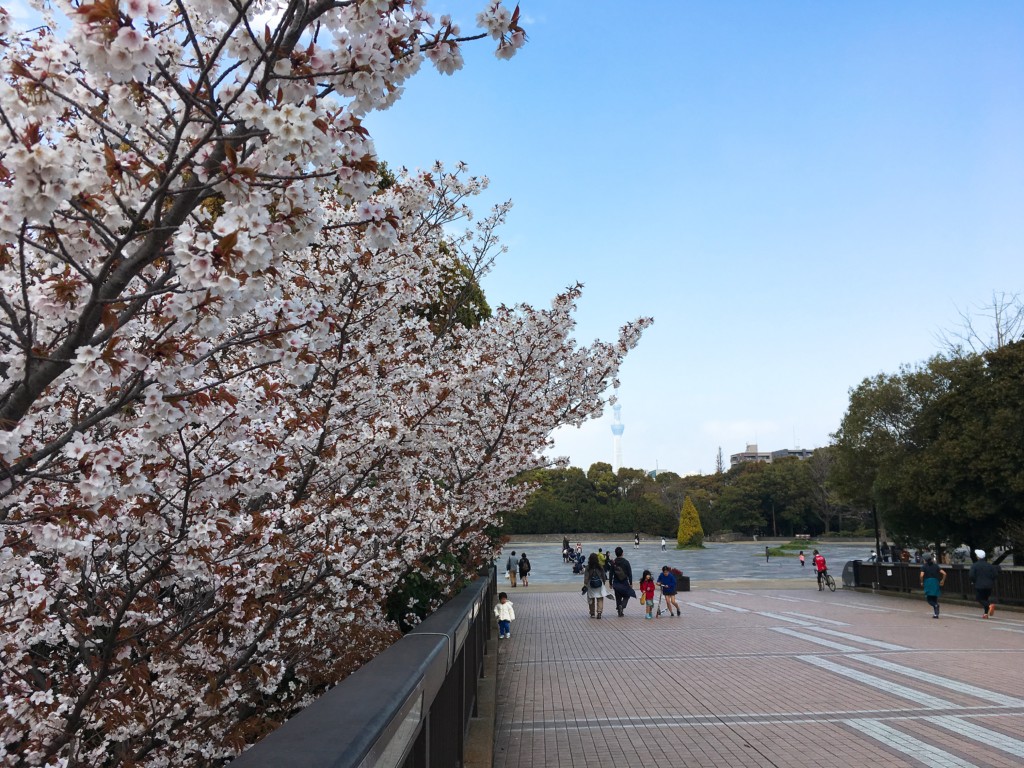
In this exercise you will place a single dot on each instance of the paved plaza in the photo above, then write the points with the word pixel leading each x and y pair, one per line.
pixel 759 673
pixel 744 560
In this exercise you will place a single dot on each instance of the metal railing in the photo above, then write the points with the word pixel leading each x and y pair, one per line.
pixel 905 577
pixel 409 707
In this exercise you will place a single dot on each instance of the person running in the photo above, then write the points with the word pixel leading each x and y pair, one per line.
pixel 822 568
pixel 983 576
pixel 524 570
pixel 667 580
pixel 932 579
pixel 594 586
pixel 647 586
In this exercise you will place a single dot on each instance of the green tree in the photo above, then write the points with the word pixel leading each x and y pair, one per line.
pixel 606 485
pixel 819 472
pixel 937 447
pixel 690 534
pixel 739 503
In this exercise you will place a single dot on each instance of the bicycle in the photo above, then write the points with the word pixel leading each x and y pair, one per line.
pixel 829 581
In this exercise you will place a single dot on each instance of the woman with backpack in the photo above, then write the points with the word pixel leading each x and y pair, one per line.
pixel 524 570
pixel 594 585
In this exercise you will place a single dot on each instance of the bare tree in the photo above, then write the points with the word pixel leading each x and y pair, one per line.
pixel 986 327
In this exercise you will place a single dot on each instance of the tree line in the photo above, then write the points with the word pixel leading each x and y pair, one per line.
pixel 785 498
pixel 935 451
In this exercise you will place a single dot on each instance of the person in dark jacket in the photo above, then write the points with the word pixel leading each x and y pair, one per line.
pixel 622 581
pixel 594 586
pixel 983 576
pixel 524 570
pixel 932 579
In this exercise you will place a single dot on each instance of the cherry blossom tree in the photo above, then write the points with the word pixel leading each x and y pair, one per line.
pixel 233 409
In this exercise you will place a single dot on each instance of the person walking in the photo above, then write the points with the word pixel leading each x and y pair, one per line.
pixel 667 580
pixel 802 558
pixel 622 581
pixel 822 568
pixel 594 586
pixel 636 541
pixel 932 579
pixel 506 615
pixel 511 567
pixel 662 543
pixel 647 586
pixel 983 576
pixel 524 570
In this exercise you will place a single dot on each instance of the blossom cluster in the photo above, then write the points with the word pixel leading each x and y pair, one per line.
pixel 243 384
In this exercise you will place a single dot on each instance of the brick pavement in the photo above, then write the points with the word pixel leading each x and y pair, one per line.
pixel 752 675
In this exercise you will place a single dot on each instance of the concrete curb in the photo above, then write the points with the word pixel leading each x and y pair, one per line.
pixel 479 752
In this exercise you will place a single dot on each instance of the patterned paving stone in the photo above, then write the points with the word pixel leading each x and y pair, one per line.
pixel 760 676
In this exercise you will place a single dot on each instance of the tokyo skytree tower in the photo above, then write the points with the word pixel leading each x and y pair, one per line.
pixel 617 429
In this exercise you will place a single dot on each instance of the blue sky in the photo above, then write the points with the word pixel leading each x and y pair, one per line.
pixel 802 194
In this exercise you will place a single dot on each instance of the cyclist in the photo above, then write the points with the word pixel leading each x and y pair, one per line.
pixel 821 568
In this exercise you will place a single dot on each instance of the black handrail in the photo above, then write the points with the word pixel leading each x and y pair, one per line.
pixel 904 577
pixel 409 706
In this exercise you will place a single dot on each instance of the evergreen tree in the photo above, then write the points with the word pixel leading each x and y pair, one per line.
pixel 690 534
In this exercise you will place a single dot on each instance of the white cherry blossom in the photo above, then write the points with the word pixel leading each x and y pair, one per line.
pixel 241 386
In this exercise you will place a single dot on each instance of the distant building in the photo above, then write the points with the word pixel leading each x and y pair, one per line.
pixel 786 453
pixel 752 454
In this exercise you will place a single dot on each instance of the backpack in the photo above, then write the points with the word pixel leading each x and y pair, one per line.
pixel 620 573
pixel 524 565
pixel 595 579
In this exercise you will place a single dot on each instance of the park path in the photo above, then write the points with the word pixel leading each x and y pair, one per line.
pixel 759 675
